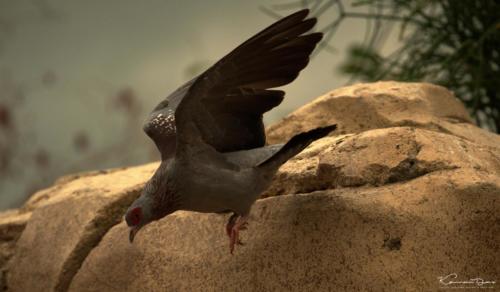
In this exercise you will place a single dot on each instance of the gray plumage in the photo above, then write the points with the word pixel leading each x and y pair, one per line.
pixel 210 132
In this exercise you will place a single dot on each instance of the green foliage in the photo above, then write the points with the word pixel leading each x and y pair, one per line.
pixel 452 43
pixel 448 42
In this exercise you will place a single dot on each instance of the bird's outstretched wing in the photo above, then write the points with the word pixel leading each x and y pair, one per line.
pixel 223 107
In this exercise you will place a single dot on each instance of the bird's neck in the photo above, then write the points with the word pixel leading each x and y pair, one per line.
pixel 162 192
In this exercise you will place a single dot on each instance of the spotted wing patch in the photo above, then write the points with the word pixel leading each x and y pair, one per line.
pixel 162 124
pixel 161 129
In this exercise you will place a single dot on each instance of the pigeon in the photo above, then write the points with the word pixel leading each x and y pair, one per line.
pixel 211 136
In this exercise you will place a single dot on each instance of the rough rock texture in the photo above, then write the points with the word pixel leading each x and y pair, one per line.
pixel 379 157
pixel 388 238
pixel 12 223
pixel 363 107
pixel 408 190
pixel 66 222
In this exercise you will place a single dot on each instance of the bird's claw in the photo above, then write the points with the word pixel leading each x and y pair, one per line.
pixel 230 224
pixel 235 224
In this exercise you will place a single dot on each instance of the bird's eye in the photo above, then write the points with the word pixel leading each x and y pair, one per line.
pixel 134 217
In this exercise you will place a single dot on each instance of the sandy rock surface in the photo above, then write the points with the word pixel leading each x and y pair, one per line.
pixel 366 106
pixel 407 190
pixel 12 224
pixel 66 222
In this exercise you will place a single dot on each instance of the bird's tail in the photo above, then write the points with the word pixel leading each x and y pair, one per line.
pixel 294 146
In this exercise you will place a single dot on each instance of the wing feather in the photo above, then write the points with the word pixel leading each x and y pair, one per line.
pixel 224 106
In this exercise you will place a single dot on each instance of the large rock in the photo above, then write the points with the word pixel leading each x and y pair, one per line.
pixel 378 105
pixel 390 238
pixel 66 222
pixel 407 191
pixel 12 223
pixel 394 204
pixel 379 157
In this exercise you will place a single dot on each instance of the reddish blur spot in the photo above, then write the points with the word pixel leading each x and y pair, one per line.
pixel 126 99
pixel 5 119
pixel 81 142
pixel 42 159
pixel 49 78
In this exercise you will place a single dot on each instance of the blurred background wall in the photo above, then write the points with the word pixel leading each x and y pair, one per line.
pixel 77 78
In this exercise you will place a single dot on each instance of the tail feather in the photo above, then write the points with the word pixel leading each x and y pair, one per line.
pixel 296 145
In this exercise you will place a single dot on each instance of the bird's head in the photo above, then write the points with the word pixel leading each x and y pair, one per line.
pixel 139 214
pixel 155 202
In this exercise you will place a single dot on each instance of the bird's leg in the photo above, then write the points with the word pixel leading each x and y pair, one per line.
pixel 230 224
pixel 234 225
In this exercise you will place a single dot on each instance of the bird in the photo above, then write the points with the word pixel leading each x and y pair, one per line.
pixel 211 136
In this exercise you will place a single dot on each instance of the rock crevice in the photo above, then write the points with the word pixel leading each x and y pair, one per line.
pixel 82 211
pixel 94 231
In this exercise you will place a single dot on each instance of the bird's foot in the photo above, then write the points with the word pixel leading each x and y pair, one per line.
pixel 230 224
pixel 235 224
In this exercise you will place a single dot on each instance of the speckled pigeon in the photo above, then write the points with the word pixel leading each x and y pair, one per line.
pixel 211 136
